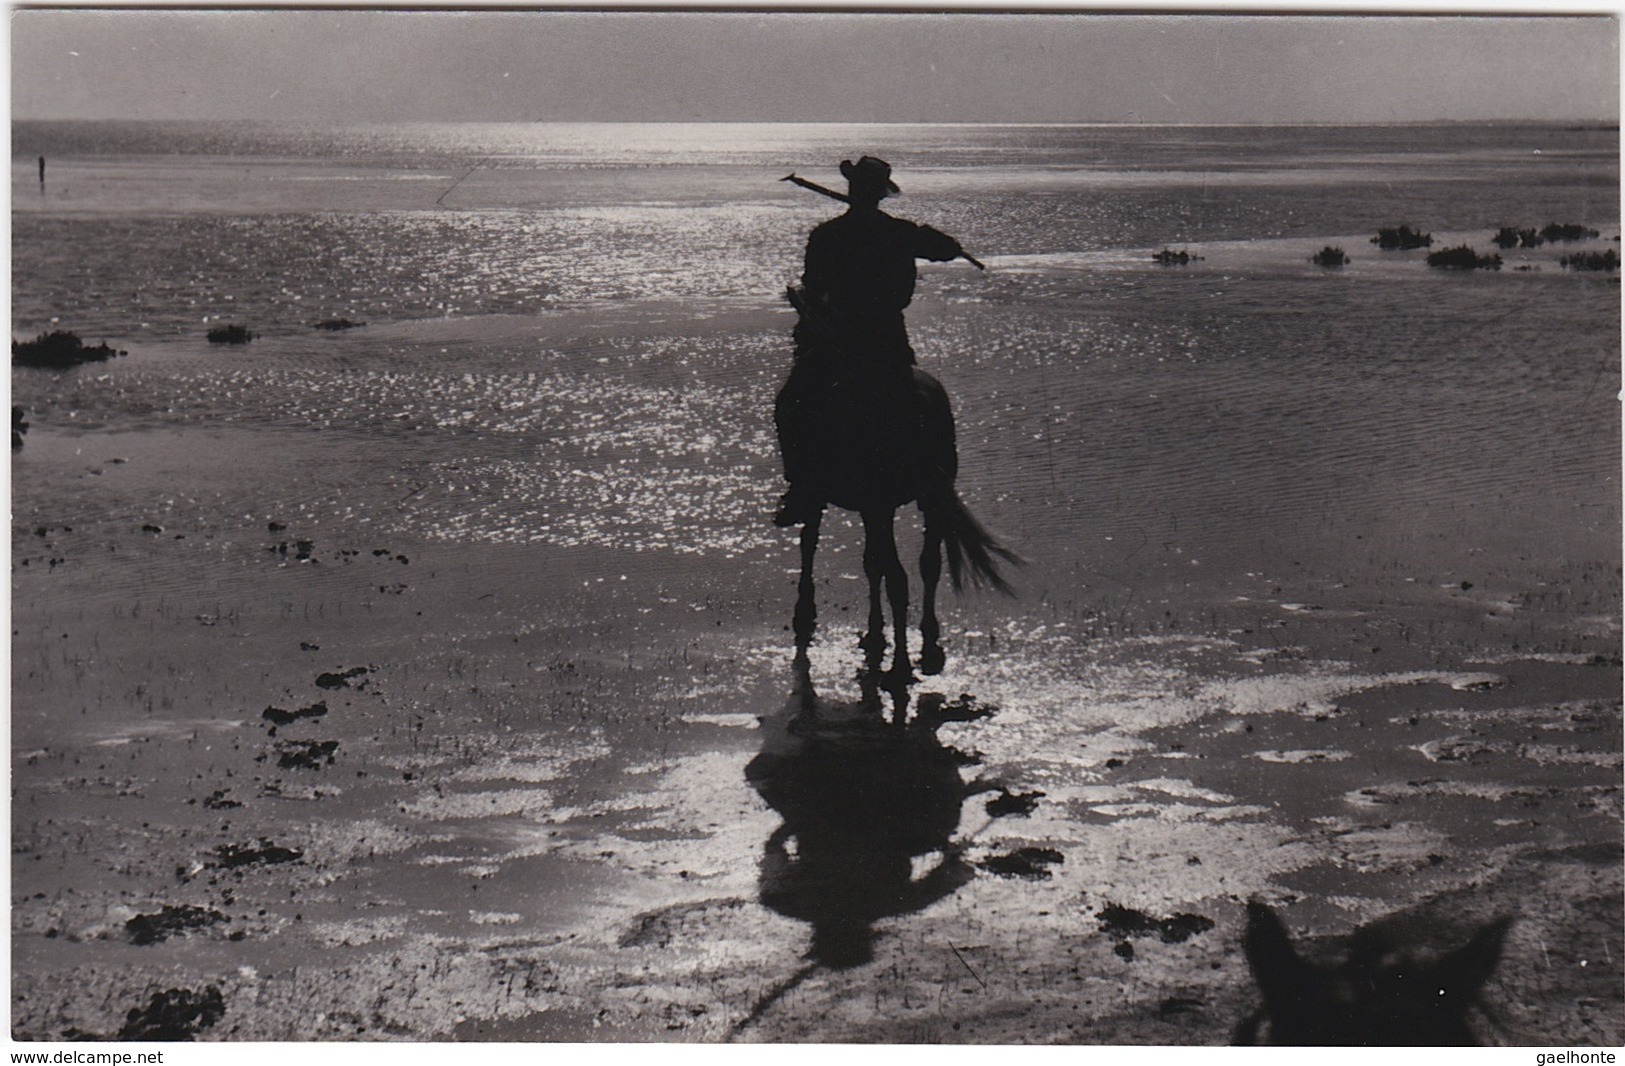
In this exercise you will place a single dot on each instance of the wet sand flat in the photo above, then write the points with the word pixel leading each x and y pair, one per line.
pixel 277 732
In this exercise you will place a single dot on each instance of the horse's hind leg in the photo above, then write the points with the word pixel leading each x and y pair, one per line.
pixel 805 620
pixel 882 565
pixel 932 657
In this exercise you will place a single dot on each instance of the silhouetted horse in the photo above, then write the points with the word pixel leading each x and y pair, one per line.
pixel 1389 991
pixel 878 442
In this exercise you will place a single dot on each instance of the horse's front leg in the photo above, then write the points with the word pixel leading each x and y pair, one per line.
pixel 805 620
pixel 932 657
pixel 873 642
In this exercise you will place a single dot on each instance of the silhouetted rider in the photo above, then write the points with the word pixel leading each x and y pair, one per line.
pixel 858 277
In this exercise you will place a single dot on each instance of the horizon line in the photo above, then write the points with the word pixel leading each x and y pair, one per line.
pixel 1604 123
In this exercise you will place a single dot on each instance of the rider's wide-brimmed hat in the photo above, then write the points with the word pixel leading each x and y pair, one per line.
pixel 869 173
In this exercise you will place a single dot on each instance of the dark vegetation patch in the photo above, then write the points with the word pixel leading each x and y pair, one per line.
pixel 1329 257
pixel 217 801
pixel 1030 864
pixel 1608 260
pixel 231 335
pixel 306 754
pixel 1568 231
pixel 173 1015
pixel 1020 804
pixel 302 549
pixel 342 679
pixel 171 921
pixel 1508 237
pixel 1463 258
pixel 1124 923
pixel 333 325
pixel 1168 257
pixel 58 350
pixel 1516 237
pixel 265 853
pixel 935 708
pixel 1401 238
pixel 278 716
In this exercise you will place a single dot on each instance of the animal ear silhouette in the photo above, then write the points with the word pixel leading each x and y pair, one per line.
pixel 1464 971
pixel 1282 976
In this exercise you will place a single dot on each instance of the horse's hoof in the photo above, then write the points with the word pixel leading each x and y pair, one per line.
pixel 932 659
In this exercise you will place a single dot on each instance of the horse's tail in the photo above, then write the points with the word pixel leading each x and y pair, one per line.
pixel 972 551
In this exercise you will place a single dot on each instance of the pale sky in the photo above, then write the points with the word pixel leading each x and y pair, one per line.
pixel 488 65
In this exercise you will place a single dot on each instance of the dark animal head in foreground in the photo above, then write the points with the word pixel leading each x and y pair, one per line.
pixel 1385 993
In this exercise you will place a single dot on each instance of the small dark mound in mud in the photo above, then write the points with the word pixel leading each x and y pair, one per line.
pixel 171 921
pixel 1512 237
pixel 333 325
pixel 1329 257
pixel 178 1014
pixel 939 709
pixel 1026 863
pixel 1463 257
pixel 217 801
pixel 342 679
pixel 1401 238
pixel 302 549
pixel 231 335
pixel 58 350
pixel 278 716
pixel 234 855
pixel 1567 231
pixel 1608 260
pixel 306 754
pixel 1019 804
pixel 1124 922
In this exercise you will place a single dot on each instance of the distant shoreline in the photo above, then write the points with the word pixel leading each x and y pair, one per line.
pixel 1575 124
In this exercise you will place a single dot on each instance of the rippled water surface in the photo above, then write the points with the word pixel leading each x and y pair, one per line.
pixel 572 333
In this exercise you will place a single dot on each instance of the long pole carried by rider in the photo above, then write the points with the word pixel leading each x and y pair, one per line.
pixel 843 198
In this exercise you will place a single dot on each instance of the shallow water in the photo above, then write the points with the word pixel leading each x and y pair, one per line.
pixel 572 337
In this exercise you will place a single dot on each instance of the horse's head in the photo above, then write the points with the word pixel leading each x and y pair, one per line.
pixel 1385 992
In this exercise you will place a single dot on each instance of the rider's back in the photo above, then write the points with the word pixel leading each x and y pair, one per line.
pixel 861 264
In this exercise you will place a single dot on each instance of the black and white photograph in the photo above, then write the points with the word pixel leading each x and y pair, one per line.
pixel 708 526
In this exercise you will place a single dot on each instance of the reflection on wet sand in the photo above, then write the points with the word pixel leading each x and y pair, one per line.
pixel 863 796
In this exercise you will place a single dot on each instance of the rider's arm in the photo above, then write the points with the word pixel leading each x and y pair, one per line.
pixel 935 245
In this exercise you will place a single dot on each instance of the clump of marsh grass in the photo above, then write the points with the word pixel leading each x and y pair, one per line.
pixel 1463 258
pixel 1401 238
pixel 58 350
pixel 1608 260
pixel 231 335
